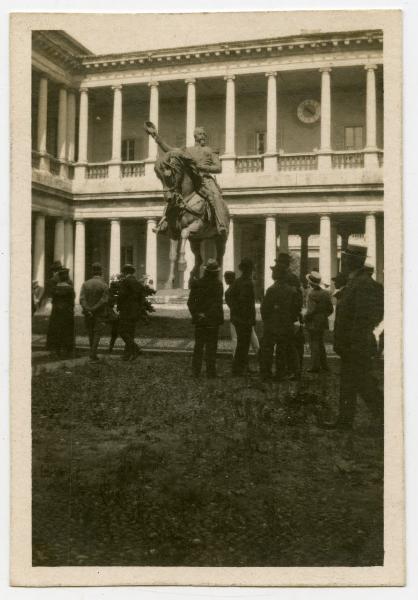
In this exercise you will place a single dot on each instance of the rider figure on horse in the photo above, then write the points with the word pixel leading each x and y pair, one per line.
pixel 208 163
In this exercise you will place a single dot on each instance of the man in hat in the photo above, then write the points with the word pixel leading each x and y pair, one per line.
pixel 47 297
pixel 208 164
pixel 205 306
pixel 94 300
pixel 130 304
pixel 319 308
pixel 62 315
pixel 280 309
pixel 242 307
pixel 360 310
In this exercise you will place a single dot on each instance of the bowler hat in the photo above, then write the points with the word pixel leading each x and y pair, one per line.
pixel 355 250
pixel 283 257
pixel 246 265
pixel 314 277
pixel 212 266
pixel 56 265
pixel 128 268
pixel 96 267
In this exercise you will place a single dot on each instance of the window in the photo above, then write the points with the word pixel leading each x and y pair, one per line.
pixel 260 141
pixel 127 255
pixel 128 149
pixel 353 138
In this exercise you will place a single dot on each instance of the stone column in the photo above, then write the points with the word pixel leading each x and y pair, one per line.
pixel 71 109
pixel 39 250
pixel 237 243
pixel 370 157
pixel 325 244
pixel 151 251
pixel 114 256
pixel 62 129
pixel 283 236
pixel 228 262
pixel 83 134
pixel 114 169
pixel 59 240
pixel 79 256
pixel 153 116
pixel 324 159
pixel 191 111
pixel 304 255
pixel 371 239
pixel 228 160
pixel 42 122
pixel 270 159
pixel 69 246
pixel 270 242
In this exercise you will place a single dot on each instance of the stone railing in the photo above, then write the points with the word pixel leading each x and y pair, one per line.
pixel 97 171
pixel 70 171
pixel 380 158
pixel 297 162
pixel 248 164
pixel 348 160
pixel 54 166
pixel 36 159
pixel 132 169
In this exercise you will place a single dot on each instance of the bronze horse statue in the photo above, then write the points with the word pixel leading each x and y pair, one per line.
pixel 189 216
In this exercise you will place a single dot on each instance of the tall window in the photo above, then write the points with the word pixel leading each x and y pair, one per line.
pixel 353 138
pixel 260 142
pixel 128 149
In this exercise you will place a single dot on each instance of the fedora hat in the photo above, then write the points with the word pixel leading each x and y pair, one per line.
pixel 355 250
pixel 128 268
pixel 246 264
pixel 212 266
pixel 314 278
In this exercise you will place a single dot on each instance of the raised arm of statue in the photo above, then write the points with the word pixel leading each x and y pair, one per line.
pixel 152 131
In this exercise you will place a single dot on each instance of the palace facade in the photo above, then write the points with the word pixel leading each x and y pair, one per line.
pixel 298 123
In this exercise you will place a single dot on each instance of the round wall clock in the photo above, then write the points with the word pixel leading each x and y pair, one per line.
pixel 309 111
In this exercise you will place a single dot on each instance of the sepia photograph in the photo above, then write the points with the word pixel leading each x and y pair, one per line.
pixel 212 372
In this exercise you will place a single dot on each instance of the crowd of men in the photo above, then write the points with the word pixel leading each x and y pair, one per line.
pixel 287 309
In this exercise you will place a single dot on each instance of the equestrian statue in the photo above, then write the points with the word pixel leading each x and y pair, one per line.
pixel 195 209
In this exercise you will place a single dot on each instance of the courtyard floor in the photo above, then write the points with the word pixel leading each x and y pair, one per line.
pixel 139 464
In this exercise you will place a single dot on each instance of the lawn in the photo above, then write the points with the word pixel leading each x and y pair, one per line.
pixel 138 464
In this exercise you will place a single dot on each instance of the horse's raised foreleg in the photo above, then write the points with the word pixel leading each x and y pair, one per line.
pixel 169 284
pixel 182 264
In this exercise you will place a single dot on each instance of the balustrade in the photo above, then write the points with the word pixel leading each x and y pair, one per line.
pixel 97 171
pixel 297 162
pixel 348 160
pixel 133 169
pixel 248 164
pixel 54 166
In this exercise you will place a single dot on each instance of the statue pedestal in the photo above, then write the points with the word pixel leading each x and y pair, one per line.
pixel 173 296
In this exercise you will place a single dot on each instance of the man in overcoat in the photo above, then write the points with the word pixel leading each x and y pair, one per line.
pixel 205 306
pixel 94 300
pixel 280 309
pixel 360 310
pixel 319 308
pixel 130 304
pixel 242 307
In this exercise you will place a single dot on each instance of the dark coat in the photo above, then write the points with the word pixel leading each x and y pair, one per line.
pixel 131 299
pixel 61 323
pixel 359 310
pixel 205 301
pixel 94 296
pixel 280 308
pixel 320 307
pixel 242 302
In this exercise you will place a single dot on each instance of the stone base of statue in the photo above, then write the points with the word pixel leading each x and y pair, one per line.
pixel 173 296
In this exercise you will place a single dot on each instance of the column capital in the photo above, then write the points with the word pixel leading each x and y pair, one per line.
pixel 325 215
pixel 116 87
pixel 229 77
pixel 153 83
pixel 371 67
pixel 151 219
pixel 325 70
pixel 84 90
pixel 79 220
pixel 269 217
pixel 63 87
pixel 190 80
pixel 371 214
pixel 114 220
pixel 271 74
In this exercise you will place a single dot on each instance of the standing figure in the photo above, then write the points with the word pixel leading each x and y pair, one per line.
pixel 205 306
pixel 242 306
pixel 359 311
pixel 280 309
pixel 319 308
pixel 61 322
pixel 47 297
pixel 131 305
pixel 94 300
pixel 113 314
